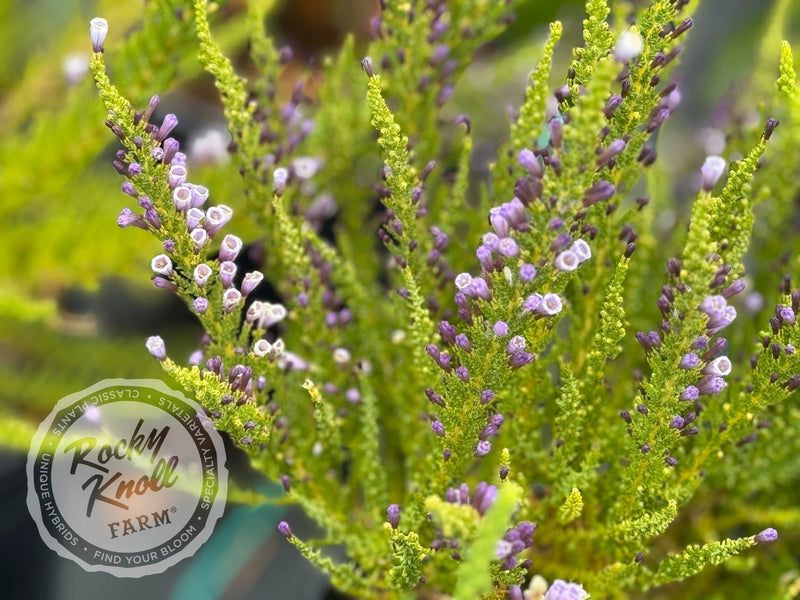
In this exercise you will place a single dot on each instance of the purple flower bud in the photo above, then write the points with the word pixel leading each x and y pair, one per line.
pixel 167 125
pixel 532 303
pixel 438 428
pixel 462 373
pixel 529 162
pixel 676 422
pixel 768 535
pixel 434 397
pixel 462 341
pixel 393 515
pixel 483 448
pixel 162 265
pixel 200 305
pixel 689 361
pixel 520 359
pixel 171 147
pixel 713 168
pixel 500 329
pixel 155 346
pixel 499 224
pixel 601 190
pixel 785 314
pixel 448 332
pixel 98 29
pixel 711 384
pixel 671 461
pixel 283 527
pixel 487 396
pixel 527 272
pixel 613 103
pixel 484 254
pixel 614 148
pixel 555 128
pixel 166 284
pixel 562 590
pixel 128 218
pixel 691 393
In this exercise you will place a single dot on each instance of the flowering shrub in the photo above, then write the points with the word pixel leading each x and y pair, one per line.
pixel 479 389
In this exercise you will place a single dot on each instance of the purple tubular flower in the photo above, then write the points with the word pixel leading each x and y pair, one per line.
pixel 202 272
pixel 581 249
pixel 710 385
pixel 478 288
pixel 483 448
pixel 182 198
pixel 507 247
pixel 251 281
pixel 720 366
pixel 227 271
pixel 199 237
pixel 230 247
pixel 393 515
pixel 151 216
pixel 768 535
pixel 167 125
pixel 166 284
pixel 550 306
pixel 177 176
pixel 193 218
pixel 216 218
pixel 566 261
pixel 499 224
pixel 484 254
pixel 98 29
pixel 231 299
pixel 283 527
pixel 155 346
pixel 162 265
pixel 129 189
pixel 614 148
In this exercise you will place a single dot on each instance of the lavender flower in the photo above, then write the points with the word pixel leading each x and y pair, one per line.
pixel 182 198
pixel 216 218
pixel 283 527
pixel 529 162
pixel 527 272
pixel 507 247
pixel 227 271
pixel 177 176
pixel 127 218
pixel 719 366
pixel 710 385
pixel 582 250
pixel 691 393
pixel 516 344
pixel 500 329
pixel 199 237
pixel 262 348
pixel 155 346
pixel 194 217
pixel 689 361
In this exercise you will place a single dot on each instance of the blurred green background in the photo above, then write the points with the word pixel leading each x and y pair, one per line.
pixel 76 303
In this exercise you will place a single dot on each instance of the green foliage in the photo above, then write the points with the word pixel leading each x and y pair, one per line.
pixel 476 393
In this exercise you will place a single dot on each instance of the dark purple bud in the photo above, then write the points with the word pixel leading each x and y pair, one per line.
pixel 487 396
pixel 612 105
pixel 556 132
pixel 684 26
pixel 599 191
pixel 434 397
pixel 285 481
pixel 625 416
pixel 671 461
pixel 393 515
pixel 771 125
pixel 283 527
pixel 366 64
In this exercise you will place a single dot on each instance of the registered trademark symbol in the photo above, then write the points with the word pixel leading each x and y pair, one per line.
pixel 172 509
